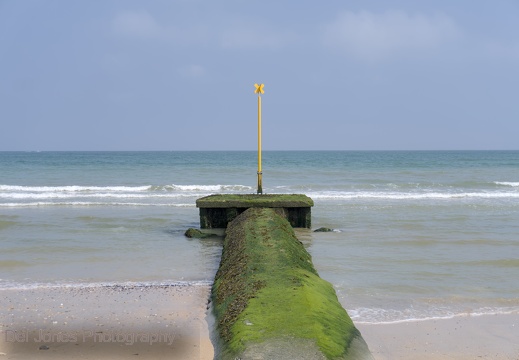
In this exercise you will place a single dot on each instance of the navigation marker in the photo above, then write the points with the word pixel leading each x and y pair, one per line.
pixel 259 90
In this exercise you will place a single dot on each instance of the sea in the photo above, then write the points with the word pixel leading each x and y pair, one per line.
pixel 416 235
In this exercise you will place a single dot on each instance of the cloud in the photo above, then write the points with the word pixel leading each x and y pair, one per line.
pixel 136 24
pixel 230 34
pixel 372 36
pixel 142 25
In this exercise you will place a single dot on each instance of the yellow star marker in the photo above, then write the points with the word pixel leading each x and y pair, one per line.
pixel 259 90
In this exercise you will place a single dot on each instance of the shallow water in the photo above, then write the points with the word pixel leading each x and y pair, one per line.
pixel 418 234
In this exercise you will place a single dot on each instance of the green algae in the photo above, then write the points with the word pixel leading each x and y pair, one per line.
pixel 216 211
pixel 267 288
pixel 198 234
pixel 254 200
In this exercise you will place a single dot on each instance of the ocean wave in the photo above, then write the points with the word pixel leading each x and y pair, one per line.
pixel 74 188
pixel 28 199
pixel 208 188
pixel 108 284
pixel 127 189
pixel 12 194
pixel 507 183
pixel 82 203
pixel 380 316
pixel 411 196
pixel 42 196
pixel 21 195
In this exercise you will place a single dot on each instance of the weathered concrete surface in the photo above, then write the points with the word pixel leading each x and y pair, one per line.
pixel 198 234
pixel 269 301
pixel 254 200
pixel 216 211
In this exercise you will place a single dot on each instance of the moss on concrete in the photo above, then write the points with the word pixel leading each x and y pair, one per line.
pixel 216 211
pixel 253 200
pixel 198 234
pixel 267 290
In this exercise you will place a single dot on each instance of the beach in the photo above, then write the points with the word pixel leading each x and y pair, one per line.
pixel 461 338
pixel 106 322
pixel 174 322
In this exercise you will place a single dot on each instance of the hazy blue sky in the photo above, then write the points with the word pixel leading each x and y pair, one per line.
pixel 338 75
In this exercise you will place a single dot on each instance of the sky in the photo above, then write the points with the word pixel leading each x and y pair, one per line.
pixel 180 74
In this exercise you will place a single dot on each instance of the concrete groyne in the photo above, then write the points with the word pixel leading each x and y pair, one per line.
pixel 269 301
pixel 216 211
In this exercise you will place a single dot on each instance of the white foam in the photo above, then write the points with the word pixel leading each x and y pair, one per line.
pixel 507 183
pixel 391 316
pixel 210 188
pixel 81 203
pixel 129 284
pixel 412 196
pixel 86 196
pixel 74 188
pixel 167 192
pixel 147 190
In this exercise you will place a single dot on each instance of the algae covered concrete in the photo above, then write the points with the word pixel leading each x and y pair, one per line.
pixel 255 200
pixel 269 301
pixel 216 211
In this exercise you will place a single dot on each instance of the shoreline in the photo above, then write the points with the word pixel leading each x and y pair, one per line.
pixel 150 322
pixel 460 337
pixel 173 321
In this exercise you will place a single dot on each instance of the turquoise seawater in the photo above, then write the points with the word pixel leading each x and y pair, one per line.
pixel 417 234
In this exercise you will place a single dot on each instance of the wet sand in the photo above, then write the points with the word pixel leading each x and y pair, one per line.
pixel 112 322
pixel 482 337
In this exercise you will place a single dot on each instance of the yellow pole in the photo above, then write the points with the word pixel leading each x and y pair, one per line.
pixel 260 186
pixel 259 90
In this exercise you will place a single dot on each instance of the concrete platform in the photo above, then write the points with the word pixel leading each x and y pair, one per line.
pixel 218 210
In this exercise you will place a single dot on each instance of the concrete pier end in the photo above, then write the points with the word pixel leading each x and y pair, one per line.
pixel 216 211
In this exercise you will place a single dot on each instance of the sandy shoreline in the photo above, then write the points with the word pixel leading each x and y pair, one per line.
pixel 155 322
pixel 116 322
pixel 493 337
